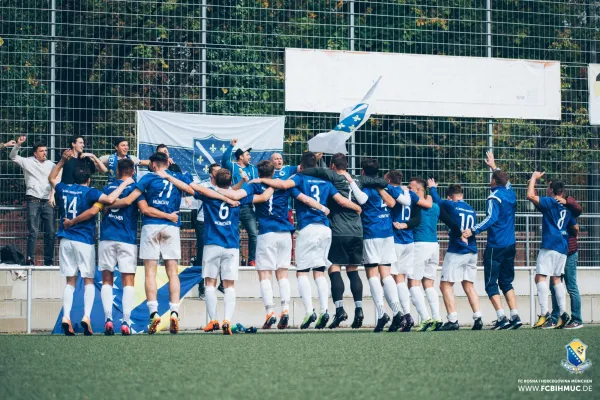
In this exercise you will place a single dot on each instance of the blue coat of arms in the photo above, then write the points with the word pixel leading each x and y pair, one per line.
pixel 207 150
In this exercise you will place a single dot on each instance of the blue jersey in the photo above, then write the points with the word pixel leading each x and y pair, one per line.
pixel 113 161
pixel 162 195
pixel 272 215
pixel 120 224
pixel 221 221
pixel 319 190
pixel 426 231
pixel 555 219
pixel 401 213
pixel 376 218
pixel 285 172
pixel 464 215
pixel 499 220
pixel 73 201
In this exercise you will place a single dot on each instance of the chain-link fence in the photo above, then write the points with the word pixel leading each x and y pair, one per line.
pixel 84 67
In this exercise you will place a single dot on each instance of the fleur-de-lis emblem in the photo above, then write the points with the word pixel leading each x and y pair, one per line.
pixel 205 169
pixel 340 126
pixel 212 148
pixel 223 148
pixel 356 118
pixel 200 160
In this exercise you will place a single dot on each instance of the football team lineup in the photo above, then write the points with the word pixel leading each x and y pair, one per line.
pixel 371 220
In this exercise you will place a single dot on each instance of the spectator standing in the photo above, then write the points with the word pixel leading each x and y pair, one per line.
pixel 77 145
pixel 39 197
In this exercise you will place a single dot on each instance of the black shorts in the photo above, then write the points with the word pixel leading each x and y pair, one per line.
pixel 346 250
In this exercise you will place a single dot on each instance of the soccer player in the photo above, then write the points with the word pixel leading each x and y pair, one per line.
pixel 570 274
pixel 314 235
pixel 552 257
pixel 460 262
pixel 378 248
pixel 346 236
pixel 274 246
pixel 242 170
pixel 499 255
pixel 77 252
pixel 160 236
pixel 403 221
pixel 221 248
pixel 118 233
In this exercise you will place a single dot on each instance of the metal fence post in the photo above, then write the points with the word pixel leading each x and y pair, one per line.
pixel 29 298
pixel 531 281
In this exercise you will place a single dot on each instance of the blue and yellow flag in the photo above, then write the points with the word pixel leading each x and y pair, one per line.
pixel 188 277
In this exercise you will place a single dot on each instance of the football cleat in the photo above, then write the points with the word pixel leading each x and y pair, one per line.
pixel 109 328
pixel 339 317
pixel 436 325
pixel 409 322
pixel 67 328
pixel 269 320
pixel 477 324
pixel 86 324
pixel 226 327
pixel 154 322
pixel 549 324
pixel 424 325
pixel 212 326
pixel 501 323
pixel 358 318
pixel 541 321
pixel 450 326
pixel 574 325
pixel 284 319
pixel 381 322
pixel 515 323
pixel 322 321
pixel 174 323
pixel 562 320
pixel 396 322
pixel 309 319
pixel 125 330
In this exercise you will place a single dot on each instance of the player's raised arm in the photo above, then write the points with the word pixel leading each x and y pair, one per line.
pixel 86 215
pixel 432 185
pixel 278 183
pixel 427 202
pixel 152 212
pixel 360 196
pixel 309 201
pixel 531 192
pixel 344 202
pixel 263 197
pixel 234 194
pixel 99 164
pixel 53 178
pixel 389 200
pixel 213 194
pixel 114 196
pixel 127 201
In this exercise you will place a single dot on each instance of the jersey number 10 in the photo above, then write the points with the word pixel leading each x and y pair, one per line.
pixel 466 223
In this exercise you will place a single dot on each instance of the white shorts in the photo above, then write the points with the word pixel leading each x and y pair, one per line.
pixel 405 259
pixel 312 247
pixel 550 263
pixel 273 251
pixel 111 253
pixel 217 260
pixel 459 267
pixel 160 239
pixel 379 251
pixel 76 256
pixel 426 260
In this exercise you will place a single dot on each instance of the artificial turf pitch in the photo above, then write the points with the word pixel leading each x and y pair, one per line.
pixel 291 365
